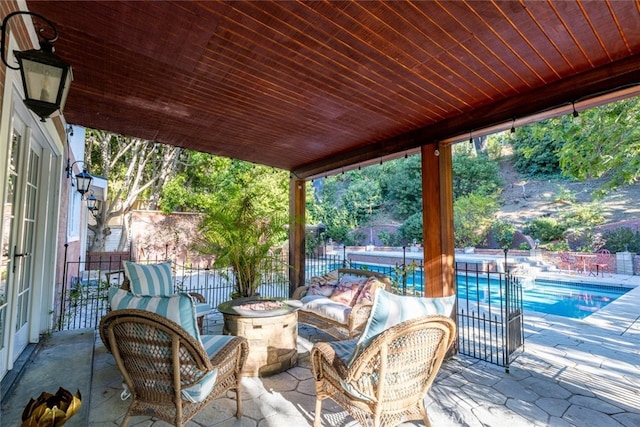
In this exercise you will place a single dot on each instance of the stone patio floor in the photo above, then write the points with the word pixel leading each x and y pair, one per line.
pixel 571 373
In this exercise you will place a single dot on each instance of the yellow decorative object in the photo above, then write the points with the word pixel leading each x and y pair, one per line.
pixel 51 410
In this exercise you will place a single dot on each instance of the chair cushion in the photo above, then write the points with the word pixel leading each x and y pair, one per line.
pixel 365 294
pixel 202 309
pixel 199 391
pixel 323 285
pixel 325 307
pixel 346 293
pixel 149 279
pixel 389 310
pixel 324 289
pixel 344 350
pixel 178 308
pixel 213 343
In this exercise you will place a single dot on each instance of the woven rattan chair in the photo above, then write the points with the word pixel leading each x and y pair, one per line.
pixel 387 383
pixel 358 315
pixel 158 359
pixel 198 298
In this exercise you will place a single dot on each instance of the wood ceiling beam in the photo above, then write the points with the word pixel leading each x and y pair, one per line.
pixel 606 79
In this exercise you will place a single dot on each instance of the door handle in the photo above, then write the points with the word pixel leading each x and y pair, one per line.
pixel 17 255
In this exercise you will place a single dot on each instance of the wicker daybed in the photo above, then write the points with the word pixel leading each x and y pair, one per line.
pixel 339 303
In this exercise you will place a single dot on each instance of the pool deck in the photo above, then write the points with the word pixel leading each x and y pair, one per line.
pixel 572 373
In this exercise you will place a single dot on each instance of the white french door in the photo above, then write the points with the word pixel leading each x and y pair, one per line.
pixel 18 238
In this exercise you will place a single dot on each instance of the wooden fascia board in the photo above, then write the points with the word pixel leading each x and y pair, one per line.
pixel 610 78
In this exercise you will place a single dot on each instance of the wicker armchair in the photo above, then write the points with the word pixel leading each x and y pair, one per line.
pixel 202 307
pixel 386 384
pixel 358 314
pixel 158 360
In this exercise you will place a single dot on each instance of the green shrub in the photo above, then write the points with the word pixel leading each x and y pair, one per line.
pixel 583 218
pixel 502 232
pixel 621 239
pixel 411 229
pixel 388 239
pixel 545 229
pixel 472 215
pixel 475 174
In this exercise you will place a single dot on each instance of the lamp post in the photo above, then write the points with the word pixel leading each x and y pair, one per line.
pixel 45 77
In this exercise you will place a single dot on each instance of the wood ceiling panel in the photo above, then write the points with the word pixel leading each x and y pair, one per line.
pixel 310 86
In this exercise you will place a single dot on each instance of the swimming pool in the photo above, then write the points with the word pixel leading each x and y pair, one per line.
pixel 573 300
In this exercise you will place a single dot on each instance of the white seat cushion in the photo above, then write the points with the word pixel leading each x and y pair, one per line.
pixel 325 307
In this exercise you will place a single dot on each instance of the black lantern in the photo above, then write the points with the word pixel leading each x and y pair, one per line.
pixel 45 77
pixel 83 182
pixel 83 179
pixel 92 203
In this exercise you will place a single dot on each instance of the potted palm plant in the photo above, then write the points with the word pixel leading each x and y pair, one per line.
pixel 243 239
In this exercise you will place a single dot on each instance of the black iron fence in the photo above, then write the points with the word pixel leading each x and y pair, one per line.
pixel 489 301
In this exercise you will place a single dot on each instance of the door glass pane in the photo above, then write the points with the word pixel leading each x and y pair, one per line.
pixel 7 227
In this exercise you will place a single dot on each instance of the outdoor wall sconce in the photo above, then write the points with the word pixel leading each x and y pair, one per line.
pixel 93 205
pixel 83 179
pixel 45 77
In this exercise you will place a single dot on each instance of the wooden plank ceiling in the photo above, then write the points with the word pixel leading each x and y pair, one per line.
pixel 316 86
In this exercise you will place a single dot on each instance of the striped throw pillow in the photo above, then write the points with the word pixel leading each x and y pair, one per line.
pixel 388 310
pixel 178 307
pixel 149 279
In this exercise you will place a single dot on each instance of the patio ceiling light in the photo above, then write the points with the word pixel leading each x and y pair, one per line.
pixel 45 77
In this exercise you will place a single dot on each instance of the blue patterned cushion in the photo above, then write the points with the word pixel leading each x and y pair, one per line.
pixel 388 310
pixel 149 279
pixel 177 307
pixel 213 343
pixel 344 349
pixel 200 390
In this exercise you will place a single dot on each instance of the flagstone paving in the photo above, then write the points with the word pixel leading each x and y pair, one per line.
pixel 572 373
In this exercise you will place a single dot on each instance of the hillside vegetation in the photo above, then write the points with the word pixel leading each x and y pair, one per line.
pixel 559 181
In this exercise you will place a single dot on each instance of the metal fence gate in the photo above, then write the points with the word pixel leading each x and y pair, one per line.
pixel 489 302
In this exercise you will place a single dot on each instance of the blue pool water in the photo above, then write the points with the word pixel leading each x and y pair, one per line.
pixel 574 300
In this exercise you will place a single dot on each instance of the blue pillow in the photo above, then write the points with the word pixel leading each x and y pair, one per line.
pixel 388 310
pixel 149 279
pixel 178 308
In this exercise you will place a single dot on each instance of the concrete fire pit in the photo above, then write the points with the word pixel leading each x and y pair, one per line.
pixel 271 327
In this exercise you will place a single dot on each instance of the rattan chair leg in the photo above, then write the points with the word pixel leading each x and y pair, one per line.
pixel 316 419
pixel 238 400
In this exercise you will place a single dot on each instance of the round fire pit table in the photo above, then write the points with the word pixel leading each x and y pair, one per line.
pixel 271 327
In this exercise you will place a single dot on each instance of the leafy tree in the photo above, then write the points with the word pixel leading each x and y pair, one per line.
pixel 403 187
pixel 206 180
pixel 475 174
pixel 411 228
pixel 536 147
pixel 605 144
pixel 135 169
pixel 503 232
pixel 242 236
pixel 472 216
pixel 545 229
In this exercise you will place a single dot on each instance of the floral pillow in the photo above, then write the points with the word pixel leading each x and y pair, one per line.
pixel 346 293
pixel 348 289
pixel 322 285
pixel 366 294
